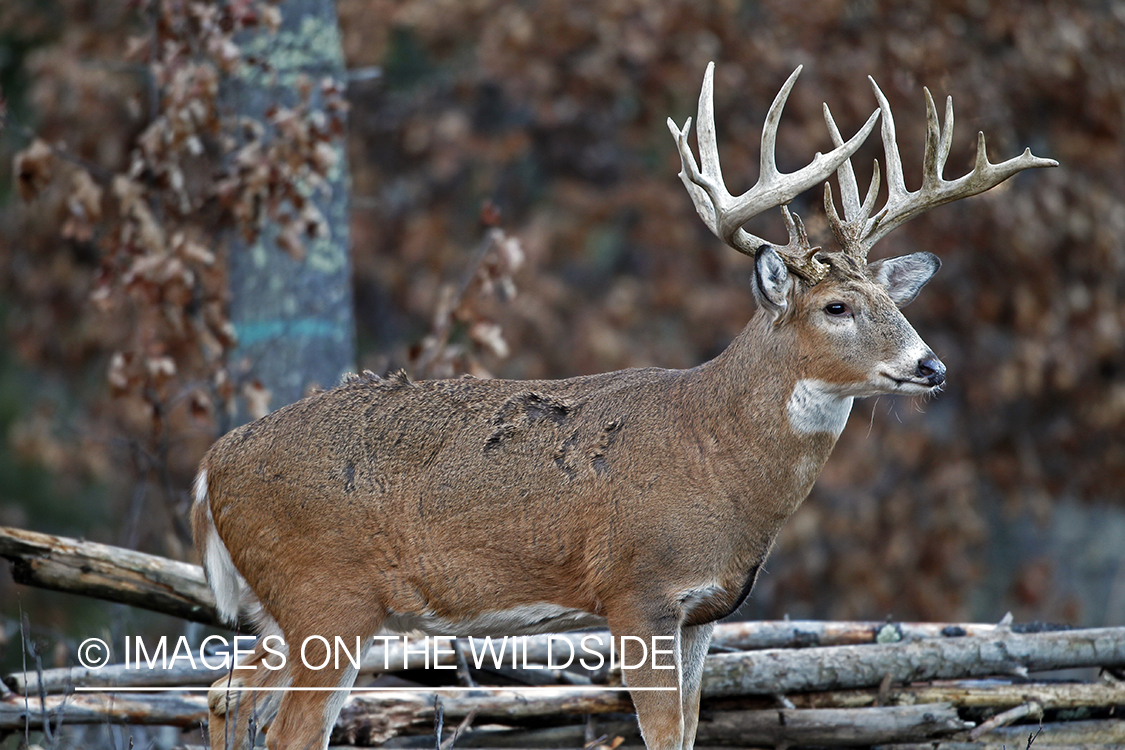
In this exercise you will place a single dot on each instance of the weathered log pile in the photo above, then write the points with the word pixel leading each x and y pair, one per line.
pixel 767 684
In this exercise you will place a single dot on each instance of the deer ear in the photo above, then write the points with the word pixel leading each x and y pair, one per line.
pixel 903 277
pixel 771 280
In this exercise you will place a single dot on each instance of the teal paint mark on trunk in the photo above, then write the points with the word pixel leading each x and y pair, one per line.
pixel 259 331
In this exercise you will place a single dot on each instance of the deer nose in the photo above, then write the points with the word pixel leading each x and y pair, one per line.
pixel 932 370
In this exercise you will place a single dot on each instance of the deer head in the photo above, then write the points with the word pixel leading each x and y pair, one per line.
pixel 839 301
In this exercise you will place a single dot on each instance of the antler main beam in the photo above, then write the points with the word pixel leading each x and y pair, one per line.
pixel 724 213
pixel 859 230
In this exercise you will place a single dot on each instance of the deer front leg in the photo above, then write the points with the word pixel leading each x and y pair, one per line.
pixel 653 679
pixel 694 642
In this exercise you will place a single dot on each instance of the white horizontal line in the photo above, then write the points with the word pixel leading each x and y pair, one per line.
pixel 450 689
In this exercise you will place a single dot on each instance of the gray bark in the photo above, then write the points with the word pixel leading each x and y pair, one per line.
pixel 374 718
pixel 1101 734
pixel 53 681
pixel 294 319
pixel 970 694
pixel 838 667
pixel 378 717
pixel 830 726
pixel 837 727
pixel 178 710
pixel 749 636
pixel 110 573
pixel 1019 745
pixel 1108 732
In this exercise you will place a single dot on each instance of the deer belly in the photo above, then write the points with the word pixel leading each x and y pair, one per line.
pixel 525 619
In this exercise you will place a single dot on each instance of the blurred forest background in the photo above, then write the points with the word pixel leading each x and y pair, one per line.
pixel 547 119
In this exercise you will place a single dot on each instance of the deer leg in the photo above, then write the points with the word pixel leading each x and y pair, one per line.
pixel 238 711
pixel 655 691
pixel 694 642
pixel 306 716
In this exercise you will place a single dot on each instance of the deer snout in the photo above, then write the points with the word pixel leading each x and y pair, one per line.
pixel 931 369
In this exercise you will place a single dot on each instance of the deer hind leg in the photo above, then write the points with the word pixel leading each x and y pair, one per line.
pixel 659 709
pixel 238 711
pixel 694 642
pixel 320 685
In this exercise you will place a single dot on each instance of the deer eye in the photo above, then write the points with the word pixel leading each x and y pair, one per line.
pixel 837 309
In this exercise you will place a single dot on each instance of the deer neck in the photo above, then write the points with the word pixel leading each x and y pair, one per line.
pixel 777 427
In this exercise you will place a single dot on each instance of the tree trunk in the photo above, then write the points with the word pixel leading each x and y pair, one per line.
pixel 294 318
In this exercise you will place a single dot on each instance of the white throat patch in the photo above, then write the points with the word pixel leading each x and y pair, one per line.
pixel 813 408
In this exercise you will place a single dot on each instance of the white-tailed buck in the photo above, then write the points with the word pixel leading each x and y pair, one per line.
pixel 643 499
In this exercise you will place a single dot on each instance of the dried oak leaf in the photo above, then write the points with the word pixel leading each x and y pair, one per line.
pixel 289 240
pixel 257 399
pixel 160 369
pixel 200 405
pixel 32 169
pixel 84 207
pixel 122 374
pixel 490 336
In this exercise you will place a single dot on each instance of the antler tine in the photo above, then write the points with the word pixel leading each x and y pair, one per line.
pixel 725 214
pixel 856 215
pixel 849 189
pixel 767 158
pixel 798 237
pixel 946 140
pixel 896 185
pixel 706 188
pixel 902 204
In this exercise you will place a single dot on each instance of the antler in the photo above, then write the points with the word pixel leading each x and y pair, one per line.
pixel 725 214
pixel 860 231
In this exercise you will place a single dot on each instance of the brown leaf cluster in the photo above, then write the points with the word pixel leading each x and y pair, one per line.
pixel 115 261
pixel 464 331
pixel 282 162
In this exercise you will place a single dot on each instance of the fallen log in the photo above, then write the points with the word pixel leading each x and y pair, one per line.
pixel 399 711
pixel 162 709
pixel 392 655
pixel 410 712
pixel 824 674
pixel 110 573
pixel 830 726
pixel 388 656
pixel 778 727
pixel 1097 734
pixel 1022 743
pixel 1092 731
pixel 61 680
pixel 838 667
pixel 376 717
pixel 977 694
pixel 751 636
pixel 571 736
